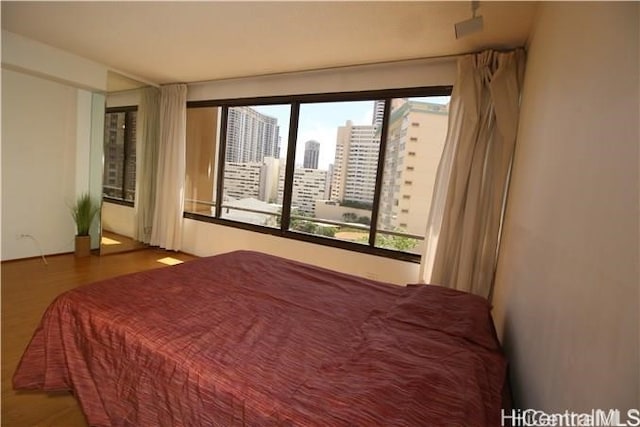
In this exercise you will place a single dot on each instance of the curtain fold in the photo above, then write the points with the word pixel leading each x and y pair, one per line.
pixel 463 229
pixel 148 125
pixel 169 200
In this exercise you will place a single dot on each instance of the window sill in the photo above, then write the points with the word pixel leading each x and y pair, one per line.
pixel 309 238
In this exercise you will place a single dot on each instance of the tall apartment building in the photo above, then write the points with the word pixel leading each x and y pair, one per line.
pixel 309 185
pixel 311 154
pixel 113 154
pixel 251 136
pixel 356 163
pixel 416 136
pixel 378 113
pixel 242 180
pixel 269 180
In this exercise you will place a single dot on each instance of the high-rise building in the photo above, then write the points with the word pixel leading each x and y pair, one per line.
pixel 309 185
pixel 242 180
pixel 311 154
pixel 356 163
pixel 255 180
pixel 415 139
pixel 113 154
pixel 251 136
pixel 378 113
pixel 269 177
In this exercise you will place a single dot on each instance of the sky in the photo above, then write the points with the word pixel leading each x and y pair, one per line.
pixel 320 121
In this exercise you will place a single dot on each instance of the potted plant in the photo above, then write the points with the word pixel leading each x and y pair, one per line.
pixel 83 212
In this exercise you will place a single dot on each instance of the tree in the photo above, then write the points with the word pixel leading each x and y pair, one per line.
pixel 356 204
pixel 304 226
pixel 397 243
pixel 349 217
pixel 364 220
pixel 326 231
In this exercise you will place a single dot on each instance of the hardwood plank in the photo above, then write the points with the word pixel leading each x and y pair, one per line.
pixel 28 287
pixel 112 243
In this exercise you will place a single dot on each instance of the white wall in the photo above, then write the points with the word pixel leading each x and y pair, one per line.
pixel 39 123
pixel 125 98
pixel 566 297
pixel 48 115
pixel 29 56
pixel 83 135
pixel 203 239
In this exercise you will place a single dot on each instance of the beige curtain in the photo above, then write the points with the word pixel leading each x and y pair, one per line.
pixel 147 141
pixel 466 213
pixel 169 203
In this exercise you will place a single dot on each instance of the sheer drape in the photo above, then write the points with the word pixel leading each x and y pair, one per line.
pixel 148 124
pixel 169 203
pixel 466 212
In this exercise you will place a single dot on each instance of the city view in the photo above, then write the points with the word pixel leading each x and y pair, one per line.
pixel 335 167
pixel 119 175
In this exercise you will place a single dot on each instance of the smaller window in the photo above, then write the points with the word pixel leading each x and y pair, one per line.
pixel 410 168
pixel 406 197
pixel 408 182
pixel 415 124
pixel 120 153
pixel 411 153
pixel 413 139
pixel 405 211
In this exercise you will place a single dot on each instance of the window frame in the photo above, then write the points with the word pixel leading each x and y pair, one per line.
pixel 295 101
pixel 126 142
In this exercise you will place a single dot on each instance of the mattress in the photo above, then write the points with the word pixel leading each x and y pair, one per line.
pixel 250 339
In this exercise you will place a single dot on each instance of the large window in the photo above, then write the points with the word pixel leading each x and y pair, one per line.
pixel 351 170
pixel 119 181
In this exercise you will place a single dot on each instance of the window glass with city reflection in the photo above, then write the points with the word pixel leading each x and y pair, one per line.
pixel 416 134
pixel 253 165
pixel 119 180
pixel 336 165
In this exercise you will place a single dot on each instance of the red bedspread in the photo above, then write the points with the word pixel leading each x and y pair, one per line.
pixel 250 339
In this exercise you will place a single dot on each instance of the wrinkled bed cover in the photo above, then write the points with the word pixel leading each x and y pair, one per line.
pixel 251 339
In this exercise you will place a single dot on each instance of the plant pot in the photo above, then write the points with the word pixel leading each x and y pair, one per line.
pixel 83 246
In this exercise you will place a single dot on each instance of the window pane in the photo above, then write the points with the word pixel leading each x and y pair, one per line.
pixel 114 132
pixel 119 180
pixel 130 157
pixel 253 165
pixel 415 138
pixel 200 176
pixel 336 163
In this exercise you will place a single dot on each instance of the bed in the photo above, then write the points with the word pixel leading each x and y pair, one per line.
pixel 249 339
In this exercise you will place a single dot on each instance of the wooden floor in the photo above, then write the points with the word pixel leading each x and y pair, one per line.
pixel 112 243
pixel 28 287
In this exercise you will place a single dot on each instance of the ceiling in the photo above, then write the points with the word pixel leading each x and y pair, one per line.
pixel 168 42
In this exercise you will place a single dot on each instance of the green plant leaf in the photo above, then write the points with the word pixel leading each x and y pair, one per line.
pixel 83 212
